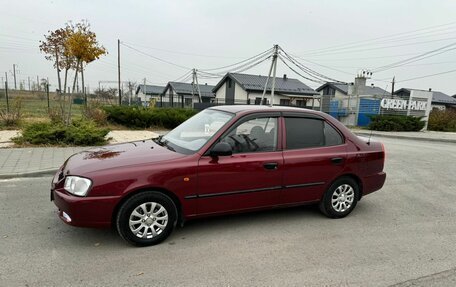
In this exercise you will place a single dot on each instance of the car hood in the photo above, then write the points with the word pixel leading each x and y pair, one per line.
pixel 119 155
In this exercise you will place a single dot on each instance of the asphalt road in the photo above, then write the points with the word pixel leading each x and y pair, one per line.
pixel 404 234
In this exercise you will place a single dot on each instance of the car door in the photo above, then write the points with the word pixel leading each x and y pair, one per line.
pixel 314 155
pixel 251 177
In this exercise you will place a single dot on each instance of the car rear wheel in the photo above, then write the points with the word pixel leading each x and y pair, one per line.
pixel 341 198
pixel 146 218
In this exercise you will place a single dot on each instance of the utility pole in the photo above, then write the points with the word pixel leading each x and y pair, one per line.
pixel 29 83
pixel 38 83
pixel 274 59
pixel 118 71
pixel 6 92
pixel 14 75
pixel 272 69
pixel 392 85
pixel 195 81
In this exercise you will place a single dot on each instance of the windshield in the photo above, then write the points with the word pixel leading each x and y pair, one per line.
pixel 195 132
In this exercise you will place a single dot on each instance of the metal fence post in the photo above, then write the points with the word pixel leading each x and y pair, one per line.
pixel 47 95
pixel 6 95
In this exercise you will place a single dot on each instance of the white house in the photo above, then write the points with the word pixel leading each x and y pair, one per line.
pixel 177 94
pixel 146 92
pixel 235 88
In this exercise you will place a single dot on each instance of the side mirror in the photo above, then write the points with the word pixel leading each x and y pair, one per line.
pixel 221 149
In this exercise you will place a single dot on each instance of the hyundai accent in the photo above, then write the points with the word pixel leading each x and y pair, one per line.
pixel 223 160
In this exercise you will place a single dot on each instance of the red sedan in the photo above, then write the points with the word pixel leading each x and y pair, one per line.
pixel 224 160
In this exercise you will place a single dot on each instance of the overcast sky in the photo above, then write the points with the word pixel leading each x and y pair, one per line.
pixel 209 34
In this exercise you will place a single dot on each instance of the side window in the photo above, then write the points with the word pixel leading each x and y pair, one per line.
pixel 307 132
pixel 332 136
pixel 304 133
pixel 254 135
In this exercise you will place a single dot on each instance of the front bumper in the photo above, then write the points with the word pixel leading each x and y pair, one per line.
pixel 84 211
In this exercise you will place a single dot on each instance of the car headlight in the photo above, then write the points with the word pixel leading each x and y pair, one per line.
pixel 77 185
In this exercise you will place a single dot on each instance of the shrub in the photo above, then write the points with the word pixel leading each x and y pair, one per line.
pixel 56 116
pixel 396 123
pixel 81 133
pixel 12 117
pixel 96 114
pixel 141 117
pixel 444 121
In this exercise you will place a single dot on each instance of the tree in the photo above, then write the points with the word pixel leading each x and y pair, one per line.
pixel 82 44
pixel 106 95
pixel 55 50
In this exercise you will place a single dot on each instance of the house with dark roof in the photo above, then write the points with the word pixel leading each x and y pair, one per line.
pixel 177 94
pixel 439 100
pixel 146 92
pixel 235 88
pixel 340 90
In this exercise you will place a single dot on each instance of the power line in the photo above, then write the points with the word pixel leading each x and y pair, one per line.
pixel 184 76
pixel 427 76
pixel 349 44
pixel 268 51
pixel 307 70
pixel 379 48
pixel 299 74
pixel 324 66
pixel 422 56
pixel 156 58
pixel 184 53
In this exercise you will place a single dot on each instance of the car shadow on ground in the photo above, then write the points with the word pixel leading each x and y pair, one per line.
pixel 299 216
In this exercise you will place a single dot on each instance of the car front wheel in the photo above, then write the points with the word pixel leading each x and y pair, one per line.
pixel 146 218
pixel 341 198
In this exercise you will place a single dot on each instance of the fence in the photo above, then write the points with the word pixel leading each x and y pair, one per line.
pixel 37 104
pixel 349 110
pixel 356 111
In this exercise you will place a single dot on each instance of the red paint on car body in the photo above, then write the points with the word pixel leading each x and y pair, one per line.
pixel 202 185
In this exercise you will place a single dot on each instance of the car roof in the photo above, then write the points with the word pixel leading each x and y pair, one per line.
pixel 261 108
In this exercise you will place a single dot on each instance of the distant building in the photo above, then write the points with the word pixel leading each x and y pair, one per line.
pixel 177 94
pixel 440 100
pixel 146 92
pixel 340 90
pixel 235 88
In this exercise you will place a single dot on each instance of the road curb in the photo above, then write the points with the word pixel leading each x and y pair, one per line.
pixel 50 171
pixel 404 137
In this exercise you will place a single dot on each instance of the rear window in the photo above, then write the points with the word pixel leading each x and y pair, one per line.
pixel 308 132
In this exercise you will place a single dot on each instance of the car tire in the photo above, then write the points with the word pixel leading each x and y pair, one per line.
pixel 146 218
pixel 340 198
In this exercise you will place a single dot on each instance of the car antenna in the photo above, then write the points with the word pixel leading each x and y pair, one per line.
pixel 369 139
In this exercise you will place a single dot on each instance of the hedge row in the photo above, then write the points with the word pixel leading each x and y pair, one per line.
pixel 444 121
pixel 80 133
pixel 141 117
pixel 396 123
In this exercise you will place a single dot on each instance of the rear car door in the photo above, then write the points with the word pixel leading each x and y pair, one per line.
pixel 314 155
pixel 251 177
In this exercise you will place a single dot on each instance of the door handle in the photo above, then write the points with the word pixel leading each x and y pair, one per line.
pixel 271 165
pixel 337 160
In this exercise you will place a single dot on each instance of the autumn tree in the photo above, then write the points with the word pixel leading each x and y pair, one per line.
pixel 71 48
pixel 82 44
pixel 55 50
